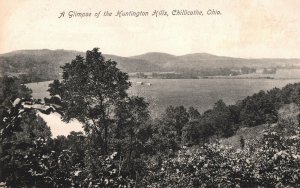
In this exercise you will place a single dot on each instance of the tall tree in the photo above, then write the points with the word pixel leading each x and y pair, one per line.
pixel 55 88
pixel 11 88
pixel 193 113
pixel 23 159
pixel 177 117
pixel 130 137
pixel 91 89
pixel 222 119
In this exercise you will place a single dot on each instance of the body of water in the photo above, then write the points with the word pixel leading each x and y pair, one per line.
pixel 200 93
pixel 160 93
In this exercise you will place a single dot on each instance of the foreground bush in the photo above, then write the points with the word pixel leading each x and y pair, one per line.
pixel 274 162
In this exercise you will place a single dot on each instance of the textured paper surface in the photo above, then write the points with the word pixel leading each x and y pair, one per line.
pixel 245 28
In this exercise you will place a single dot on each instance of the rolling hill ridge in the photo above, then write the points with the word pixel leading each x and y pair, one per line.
pixel 46 63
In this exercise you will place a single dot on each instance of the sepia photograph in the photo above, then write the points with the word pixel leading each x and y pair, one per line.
pixel 149 94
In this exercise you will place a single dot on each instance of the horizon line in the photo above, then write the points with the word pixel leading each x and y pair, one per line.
pixel 167 53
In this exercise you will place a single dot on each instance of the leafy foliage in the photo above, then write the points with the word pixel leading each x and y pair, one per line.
pixel 91 88
pixel 11 88
pixel 272 163
pixel 24 152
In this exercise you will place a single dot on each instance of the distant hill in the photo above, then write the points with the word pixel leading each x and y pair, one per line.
pixel 45 64
pixel 205 60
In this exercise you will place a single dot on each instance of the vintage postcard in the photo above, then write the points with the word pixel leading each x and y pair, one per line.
pixel 140 93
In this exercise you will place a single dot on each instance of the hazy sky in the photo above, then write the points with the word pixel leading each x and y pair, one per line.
pixel 246 28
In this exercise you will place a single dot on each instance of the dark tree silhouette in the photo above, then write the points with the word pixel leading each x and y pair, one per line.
pixel 91 87
pixel 176 117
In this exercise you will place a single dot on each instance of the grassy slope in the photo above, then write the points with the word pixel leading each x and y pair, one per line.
pixel 287 113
